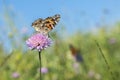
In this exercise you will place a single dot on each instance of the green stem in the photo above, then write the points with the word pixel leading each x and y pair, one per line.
pixel 40 64
pixel 108 66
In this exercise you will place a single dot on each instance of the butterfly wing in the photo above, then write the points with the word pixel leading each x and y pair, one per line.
pixel 56 18
pixel 38 24
pixel 50 23
pixel 76 53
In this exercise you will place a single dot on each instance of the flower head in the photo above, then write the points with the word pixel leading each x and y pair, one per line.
pixel 38 41
pixel 15 74
pixel 44 70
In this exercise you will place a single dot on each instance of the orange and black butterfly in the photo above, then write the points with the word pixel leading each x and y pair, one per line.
pixel 44 26
pixel 76 53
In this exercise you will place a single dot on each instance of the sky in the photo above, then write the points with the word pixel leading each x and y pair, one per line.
pixel 76 15
pixel 81 15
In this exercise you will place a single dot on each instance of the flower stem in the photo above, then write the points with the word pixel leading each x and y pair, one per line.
pixel 40 64
pixel 108 66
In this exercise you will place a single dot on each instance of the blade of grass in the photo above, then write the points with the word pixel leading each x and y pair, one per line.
pixel 106 62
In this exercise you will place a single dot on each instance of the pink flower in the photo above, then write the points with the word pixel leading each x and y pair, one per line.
pixel 38 41
pixel 15 75
pixel 44 70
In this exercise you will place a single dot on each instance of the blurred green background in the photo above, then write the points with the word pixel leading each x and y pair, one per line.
pixel 17 62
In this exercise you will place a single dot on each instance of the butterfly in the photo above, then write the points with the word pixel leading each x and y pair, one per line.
pixel 76 53
pixel 44 26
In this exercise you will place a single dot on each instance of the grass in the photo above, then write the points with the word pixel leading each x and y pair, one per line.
pixel 60 62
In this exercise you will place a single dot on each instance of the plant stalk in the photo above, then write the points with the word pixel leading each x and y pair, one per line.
pixel 40 64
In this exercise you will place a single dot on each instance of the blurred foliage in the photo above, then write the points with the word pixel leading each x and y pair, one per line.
pixel 59 60
pixel 21 63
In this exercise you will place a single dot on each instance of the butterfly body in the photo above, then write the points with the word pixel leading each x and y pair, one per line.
pixel 44 26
